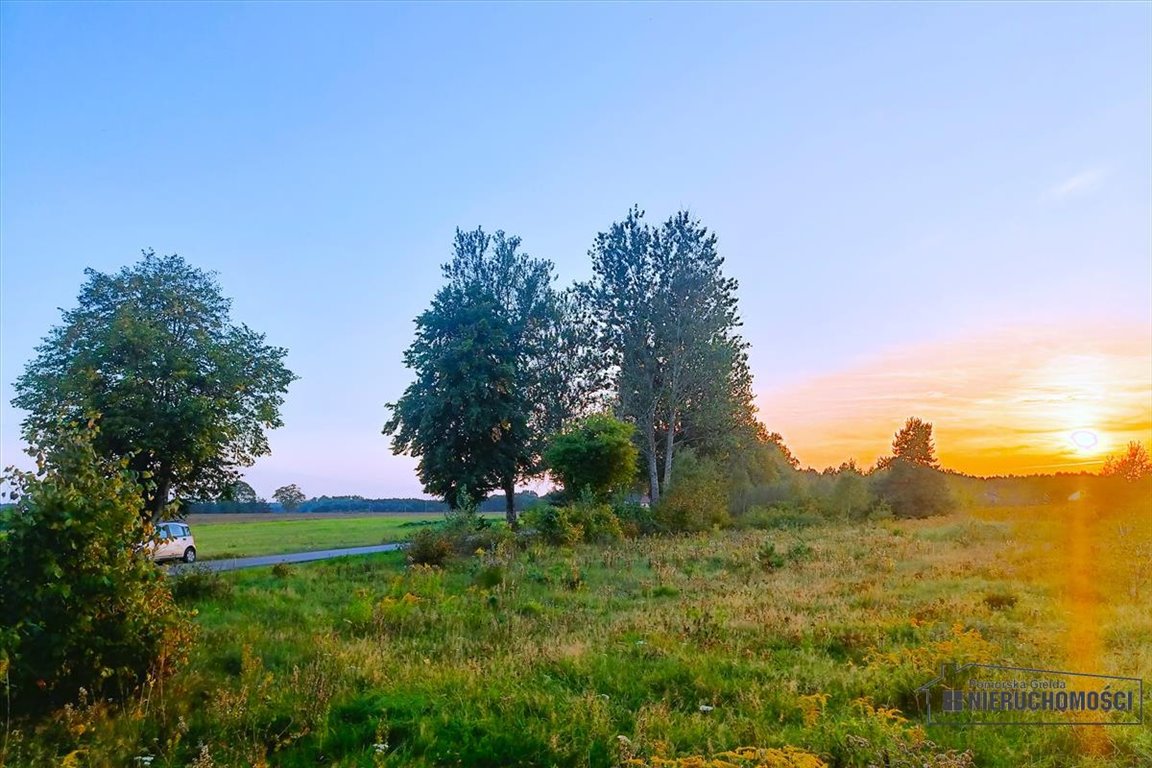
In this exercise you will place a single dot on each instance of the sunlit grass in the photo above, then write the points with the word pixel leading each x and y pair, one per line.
pixel 678 651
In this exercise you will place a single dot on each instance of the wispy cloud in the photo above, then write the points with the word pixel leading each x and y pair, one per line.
pixel 1000 403
pixel 1082 183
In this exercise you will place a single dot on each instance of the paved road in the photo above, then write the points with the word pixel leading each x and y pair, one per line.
pixel 294 557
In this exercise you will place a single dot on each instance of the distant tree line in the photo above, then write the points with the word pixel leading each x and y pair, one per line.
pixel 494 503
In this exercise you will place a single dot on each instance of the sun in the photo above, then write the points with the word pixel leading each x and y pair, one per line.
pixel 1085 440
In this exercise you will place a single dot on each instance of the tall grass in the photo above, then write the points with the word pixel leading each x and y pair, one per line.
pixel 738 646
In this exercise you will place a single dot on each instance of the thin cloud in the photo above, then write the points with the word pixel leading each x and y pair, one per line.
pixel 1000 403
pixel 1080 184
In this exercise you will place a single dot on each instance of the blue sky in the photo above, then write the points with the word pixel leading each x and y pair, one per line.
pixel 881 177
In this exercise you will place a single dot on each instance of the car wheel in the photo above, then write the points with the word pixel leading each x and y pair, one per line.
pixel 190 555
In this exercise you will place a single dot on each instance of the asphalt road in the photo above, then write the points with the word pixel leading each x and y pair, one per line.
pixel 293 557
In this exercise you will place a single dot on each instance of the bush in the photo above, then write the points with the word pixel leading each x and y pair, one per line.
pixel 553 525
pixel 698 497
pixel 81 607
pixel 586 520
pixel 783 516
pixel 431 547
pixel 635 519
pixel 596 456
pixel 199 583
pixel 913 490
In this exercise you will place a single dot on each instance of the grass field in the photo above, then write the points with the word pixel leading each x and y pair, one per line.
pixel 224 536
pixel 775 648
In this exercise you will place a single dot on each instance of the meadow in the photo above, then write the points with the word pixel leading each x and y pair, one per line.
pixel 792 646
pixel 249 535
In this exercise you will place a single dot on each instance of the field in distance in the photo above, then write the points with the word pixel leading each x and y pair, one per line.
pixel 250 535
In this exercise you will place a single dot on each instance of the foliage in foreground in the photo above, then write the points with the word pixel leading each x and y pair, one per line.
pixel 81 608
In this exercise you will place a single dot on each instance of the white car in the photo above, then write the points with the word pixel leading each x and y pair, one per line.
pixel 174 542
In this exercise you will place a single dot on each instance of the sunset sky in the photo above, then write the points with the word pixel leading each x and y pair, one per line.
pixel 933 210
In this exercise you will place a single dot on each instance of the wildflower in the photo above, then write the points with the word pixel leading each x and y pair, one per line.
pixel 706 709
pixel 380 747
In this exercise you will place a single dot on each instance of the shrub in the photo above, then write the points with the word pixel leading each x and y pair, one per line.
pixel 554 525
pixel 635 519
pixel 913 490
pixel 81 607
pixel 596 519
pixel 698 497
pixel 784 516
pixel 586 520
pixel 199 583
pixel 596 456
pixel 430 547
pixel 769 558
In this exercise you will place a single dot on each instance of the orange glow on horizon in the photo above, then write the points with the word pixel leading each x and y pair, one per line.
pixel 1022 402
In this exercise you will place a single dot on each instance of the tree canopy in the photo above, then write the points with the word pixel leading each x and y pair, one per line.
pixel 1133 465
pixel 493 361
pixel 913 443
pixel 666 318
pixel 290 497
pixel 179 391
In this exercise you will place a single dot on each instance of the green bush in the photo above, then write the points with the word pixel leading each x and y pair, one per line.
pixel 782 516
pixel 914 490
pixel 698 497
pixel 431 547
pixel 635 519
pixel 586 520
pixel 596 456
pixel 552 525
pixel 81 606
pixel 199 583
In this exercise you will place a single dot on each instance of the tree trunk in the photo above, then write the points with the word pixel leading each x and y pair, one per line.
pixel 154 506
pixel 510 503
pixel 653 466
pixel 669 441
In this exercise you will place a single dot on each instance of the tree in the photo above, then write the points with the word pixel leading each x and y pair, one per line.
pixel 240 492
pixel 81 607
pixel 456 416
pixel 666 320
pixel 493 359
pixel 181 393
pixel 913 443
pixel 596 455
pixel 289 496
pixel 1132 466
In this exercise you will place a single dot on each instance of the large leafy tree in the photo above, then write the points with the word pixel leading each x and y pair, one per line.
pixel 180 392
pixel 666 317
pixel 461 416
pixel 495 360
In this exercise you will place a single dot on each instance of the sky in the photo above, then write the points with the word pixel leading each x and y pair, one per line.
pixel 933 210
